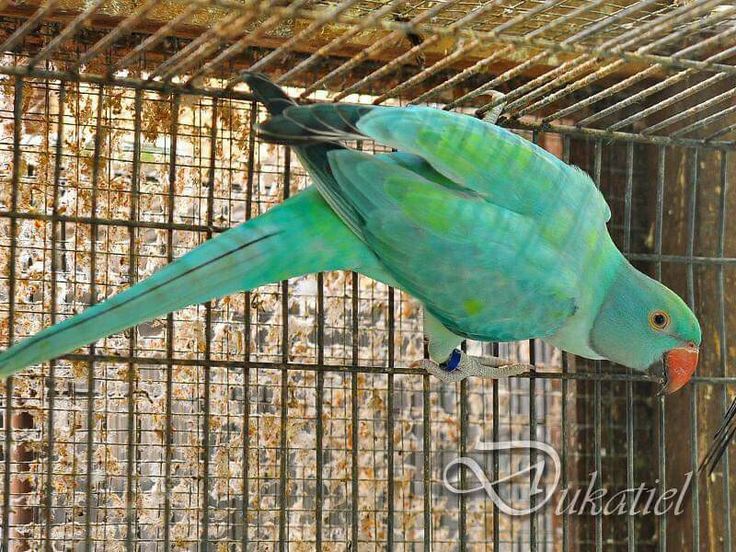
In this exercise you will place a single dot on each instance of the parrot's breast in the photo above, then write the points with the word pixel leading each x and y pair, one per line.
pixel 550 286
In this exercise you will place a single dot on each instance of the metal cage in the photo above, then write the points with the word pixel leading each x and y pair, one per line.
pixel 290 417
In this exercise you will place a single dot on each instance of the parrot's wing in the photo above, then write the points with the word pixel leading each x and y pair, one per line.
pixel 500 166
pixel 427 235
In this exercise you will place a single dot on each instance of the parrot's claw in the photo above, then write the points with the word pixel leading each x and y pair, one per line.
pixel 459 366
pixel 439 372
pixel 493 115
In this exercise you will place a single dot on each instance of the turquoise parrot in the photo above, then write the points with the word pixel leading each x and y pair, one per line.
pixel 498 239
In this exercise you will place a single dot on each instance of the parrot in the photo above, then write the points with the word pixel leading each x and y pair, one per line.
pixel 496 238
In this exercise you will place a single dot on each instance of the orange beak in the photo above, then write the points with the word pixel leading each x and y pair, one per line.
pixel 679 364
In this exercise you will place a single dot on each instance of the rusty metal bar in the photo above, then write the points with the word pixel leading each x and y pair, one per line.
pixel 113 222
pixel 130 518
pixel 532 391
pixel 354 415
pixel 571 68
pixel 234 94
pixel 210 92
pixel 463 75
pixel 156 38
pixel 569 71
pixel 249 186
pixel 597 411
pixel 629 56
pixel 130 506
pixel 245 510
pixel 702 123
pixel 125 82
pixel 380 45
pixel 463 414
pixel 210 42
pixel 598 51
pixel 204 42
pixel 15 181
pixel 495 432
pixel 640 114
pixel 628 39
pixel 29 25
pixel 533 521
pixel 661 404
pixel 94 234
pixel 581 376
pixel 426 460
pixel 628 198
pixel 691 226
pixel 360 25
pixel 565 393
pixel 423 75
pixel 723 342
pixel 241 44
pixel 319 408
pixel 480 65
pixel 638 77
pixel 283 438
pixel 418 27
pixel 120 30
pixel 721 132
pixel 639 96
pixel 688 112
pixel 433 39
pixel 169 428
pixel 313 27
pixel 470 46
pixel 50 442
pixel 531 124
pixel 650 72
pixel 507 75
pixel 390 422
pixel 69 31
pixel 205 535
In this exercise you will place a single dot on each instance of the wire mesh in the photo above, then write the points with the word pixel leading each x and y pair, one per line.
pixel 290 417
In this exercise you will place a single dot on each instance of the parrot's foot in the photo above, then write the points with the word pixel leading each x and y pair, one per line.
pixel 459 366
pixel 493 114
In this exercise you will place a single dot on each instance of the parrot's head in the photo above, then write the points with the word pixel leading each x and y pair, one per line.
pixel 644 325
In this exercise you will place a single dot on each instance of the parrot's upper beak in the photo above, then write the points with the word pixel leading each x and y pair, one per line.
pixel 679 367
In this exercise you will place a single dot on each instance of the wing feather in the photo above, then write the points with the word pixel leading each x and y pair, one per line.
pixel 428 235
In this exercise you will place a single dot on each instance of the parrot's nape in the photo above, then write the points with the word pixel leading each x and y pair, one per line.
pixel 497 238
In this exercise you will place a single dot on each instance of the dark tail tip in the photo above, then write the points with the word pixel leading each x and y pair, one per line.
pixel 721 440
pixel 265 91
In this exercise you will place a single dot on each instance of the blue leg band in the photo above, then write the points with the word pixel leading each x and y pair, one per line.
pixel 451 364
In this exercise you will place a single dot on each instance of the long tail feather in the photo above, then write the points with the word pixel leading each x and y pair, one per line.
pixel 301 125
pixel 268 93
pixel 301 236
pixel 315 123
pixel 721 440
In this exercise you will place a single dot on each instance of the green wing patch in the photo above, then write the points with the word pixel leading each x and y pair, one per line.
pixel 474 264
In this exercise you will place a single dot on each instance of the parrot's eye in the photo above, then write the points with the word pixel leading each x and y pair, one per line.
pixel 659 320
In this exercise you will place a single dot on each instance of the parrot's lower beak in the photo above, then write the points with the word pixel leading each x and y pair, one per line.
pixel 679 367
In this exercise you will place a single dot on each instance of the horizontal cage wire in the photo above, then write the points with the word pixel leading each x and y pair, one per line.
pixel 291 417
